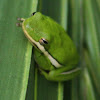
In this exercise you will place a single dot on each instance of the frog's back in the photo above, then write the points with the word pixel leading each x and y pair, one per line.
pixel 60 45
pixel 62 48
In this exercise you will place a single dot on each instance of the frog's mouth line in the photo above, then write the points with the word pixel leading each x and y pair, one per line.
pixel 41 48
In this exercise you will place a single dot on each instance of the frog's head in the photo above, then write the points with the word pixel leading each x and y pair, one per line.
pixel 40 32
pixel 37 28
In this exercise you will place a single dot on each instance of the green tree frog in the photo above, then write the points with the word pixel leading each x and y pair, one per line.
pixel 54 52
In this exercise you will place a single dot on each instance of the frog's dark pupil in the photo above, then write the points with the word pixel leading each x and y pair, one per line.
pixel 33 13
pixel 45 41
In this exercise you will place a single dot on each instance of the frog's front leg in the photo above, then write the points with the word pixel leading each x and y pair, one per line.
pixel 20 19
pixel 61 74
pixel 20 23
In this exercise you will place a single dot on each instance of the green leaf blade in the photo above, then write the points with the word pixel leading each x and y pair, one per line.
pixel 15 50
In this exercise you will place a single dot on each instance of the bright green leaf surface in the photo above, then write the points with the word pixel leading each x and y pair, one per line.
pixel 15 50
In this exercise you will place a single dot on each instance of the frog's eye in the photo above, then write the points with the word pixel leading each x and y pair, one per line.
pixel 33 13
pixel 43 41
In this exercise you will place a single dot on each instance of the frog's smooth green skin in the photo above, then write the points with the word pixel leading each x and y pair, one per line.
pixel 54 52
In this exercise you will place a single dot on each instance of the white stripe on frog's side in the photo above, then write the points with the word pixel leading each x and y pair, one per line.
pixel 52 60
pixel 71 71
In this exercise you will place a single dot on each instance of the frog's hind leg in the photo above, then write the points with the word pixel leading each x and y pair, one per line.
pixel 61 74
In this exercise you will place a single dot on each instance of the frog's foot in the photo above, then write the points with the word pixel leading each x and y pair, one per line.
pixel 20 19
pixel 61 75
pixel 20 23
